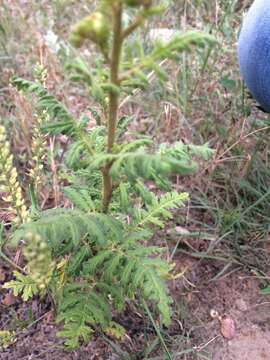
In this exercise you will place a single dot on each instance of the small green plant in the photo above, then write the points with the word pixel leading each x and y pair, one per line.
pixel 94 256
pixel 7 338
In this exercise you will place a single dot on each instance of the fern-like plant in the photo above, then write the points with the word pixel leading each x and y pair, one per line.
pixel 94 256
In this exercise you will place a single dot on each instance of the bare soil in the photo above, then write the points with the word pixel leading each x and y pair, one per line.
pixel 237 298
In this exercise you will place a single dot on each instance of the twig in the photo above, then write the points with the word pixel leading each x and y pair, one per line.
pixel 12 263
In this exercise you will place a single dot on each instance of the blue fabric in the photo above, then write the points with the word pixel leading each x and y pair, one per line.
pixel 254 52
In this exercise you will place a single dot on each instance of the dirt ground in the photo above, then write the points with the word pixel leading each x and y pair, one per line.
pixel 235 297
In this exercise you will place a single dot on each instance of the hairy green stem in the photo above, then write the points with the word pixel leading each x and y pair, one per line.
pixel 113 101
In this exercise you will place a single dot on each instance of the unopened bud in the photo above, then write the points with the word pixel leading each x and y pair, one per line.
pixel 94 27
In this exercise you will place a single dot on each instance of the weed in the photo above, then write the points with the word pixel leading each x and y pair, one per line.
pixel 7 338
pixel 101 242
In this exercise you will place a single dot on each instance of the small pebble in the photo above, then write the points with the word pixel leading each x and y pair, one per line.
pixel 227 328
pixel 241 305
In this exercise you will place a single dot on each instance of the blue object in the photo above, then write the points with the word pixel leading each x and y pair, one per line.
pixel 254 52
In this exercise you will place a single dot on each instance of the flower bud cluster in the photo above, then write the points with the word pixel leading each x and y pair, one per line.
pixel 9 184
pixel 94 27
pixel 39 260
pixel 38 149
pixel 41 74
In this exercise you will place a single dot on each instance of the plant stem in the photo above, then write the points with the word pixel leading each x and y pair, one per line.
pixel 137 22
pixel 113 101
pixel 12 263
pixel 114 76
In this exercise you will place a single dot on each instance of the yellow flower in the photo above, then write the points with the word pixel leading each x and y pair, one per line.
pixel 9 184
